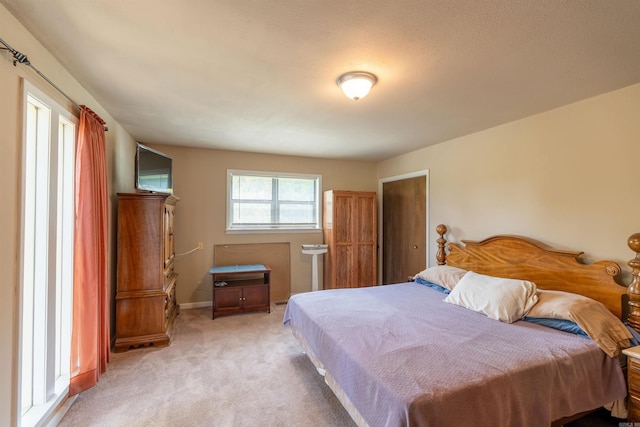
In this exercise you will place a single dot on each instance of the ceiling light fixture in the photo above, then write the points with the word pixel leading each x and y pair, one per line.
pixel 356 84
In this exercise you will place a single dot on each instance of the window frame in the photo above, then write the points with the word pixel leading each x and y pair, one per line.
pixel 46 231
pixel 232 228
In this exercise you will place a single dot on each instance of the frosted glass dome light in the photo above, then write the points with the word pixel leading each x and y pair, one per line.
pixel 356 84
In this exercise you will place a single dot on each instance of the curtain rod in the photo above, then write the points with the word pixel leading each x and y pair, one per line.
pixel 22 59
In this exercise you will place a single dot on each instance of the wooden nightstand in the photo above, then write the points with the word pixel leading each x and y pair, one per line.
pixel 242 291
pixel 633 380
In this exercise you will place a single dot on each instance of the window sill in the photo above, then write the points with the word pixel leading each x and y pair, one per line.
pixel 42 413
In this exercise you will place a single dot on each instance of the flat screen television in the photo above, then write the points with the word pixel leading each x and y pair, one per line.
pixel 153 170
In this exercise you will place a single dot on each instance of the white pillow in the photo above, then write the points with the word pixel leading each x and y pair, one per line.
pixel 443 275
pixel 506 300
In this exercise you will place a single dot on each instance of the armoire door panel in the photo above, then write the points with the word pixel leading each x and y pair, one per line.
pixel 366 265
pixel 367 226
pixel 343 219
pixel 140 233
pixel 351 235
pixel 343 269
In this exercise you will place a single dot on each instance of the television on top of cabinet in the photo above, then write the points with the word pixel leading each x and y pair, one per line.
pixel 153 170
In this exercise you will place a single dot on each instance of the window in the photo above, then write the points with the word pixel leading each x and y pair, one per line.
pixel 46 256
pixel 272 201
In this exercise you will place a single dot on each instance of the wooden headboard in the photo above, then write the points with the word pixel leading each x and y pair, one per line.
pixel 517 257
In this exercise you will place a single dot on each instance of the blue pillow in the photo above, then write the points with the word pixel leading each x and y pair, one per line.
pixel 560 324
pixel 636 336
pixel 432 285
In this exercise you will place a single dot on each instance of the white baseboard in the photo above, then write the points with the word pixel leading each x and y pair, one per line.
pixel 199 304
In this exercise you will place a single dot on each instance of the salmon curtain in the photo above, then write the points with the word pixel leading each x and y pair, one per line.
pixel 90 340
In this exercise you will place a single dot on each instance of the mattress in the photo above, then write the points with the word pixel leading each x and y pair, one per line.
pixel 404 357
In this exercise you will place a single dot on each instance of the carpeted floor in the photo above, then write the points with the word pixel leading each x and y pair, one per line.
pixel 243 370
pixel 236 371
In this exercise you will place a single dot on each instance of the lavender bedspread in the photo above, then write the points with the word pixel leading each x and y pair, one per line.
pixel 406 358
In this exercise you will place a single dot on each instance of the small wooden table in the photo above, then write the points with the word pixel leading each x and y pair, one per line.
pixel 246 289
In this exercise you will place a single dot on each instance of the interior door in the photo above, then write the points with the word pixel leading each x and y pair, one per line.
pixel 404 219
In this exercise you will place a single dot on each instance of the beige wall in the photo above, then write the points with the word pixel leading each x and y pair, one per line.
pixel 567 177
pixel 200 180
pixel 120 149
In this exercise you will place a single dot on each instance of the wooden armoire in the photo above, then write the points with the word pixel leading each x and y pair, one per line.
pixel 350 231
pixel 146 282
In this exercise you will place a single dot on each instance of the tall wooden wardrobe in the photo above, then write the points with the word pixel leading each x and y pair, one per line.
pixel 350 231
pixel 146 283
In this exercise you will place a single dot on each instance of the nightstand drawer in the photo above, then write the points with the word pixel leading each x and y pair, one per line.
pixel 633 374
pixel 634 408
pixel 633 380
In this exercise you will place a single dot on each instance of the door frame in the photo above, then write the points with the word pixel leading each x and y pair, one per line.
pixel 381 181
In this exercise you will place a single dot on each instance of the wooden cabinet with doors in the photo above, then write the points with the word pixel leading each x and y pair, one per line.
pixel 245 288
pixel 146 282
pixel 236 298
pixel 350 231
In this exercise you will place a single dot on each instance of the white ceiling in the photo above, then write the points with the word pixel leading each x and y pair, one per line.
pixel 259 75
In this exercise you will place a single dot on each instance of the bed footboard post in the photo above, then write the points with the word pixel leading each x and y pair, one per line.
pixel 634 286
pixel 441 255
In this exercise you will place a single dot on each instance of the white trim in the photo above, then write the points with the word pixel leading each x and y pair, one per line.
pixel 51 375
pixel 381 181
pixel 273 229
pixel 51 413
pixel 61 410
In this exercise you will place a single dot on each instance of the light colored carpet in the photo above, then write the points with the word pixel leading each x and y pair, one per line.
pixel 243 370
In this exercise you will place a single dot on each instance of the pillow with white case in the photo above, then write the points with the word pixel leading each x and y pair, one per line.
pixel 507 300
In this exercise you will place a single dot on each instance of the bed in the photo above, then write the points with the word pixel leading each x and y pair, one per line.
pixel 405 354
